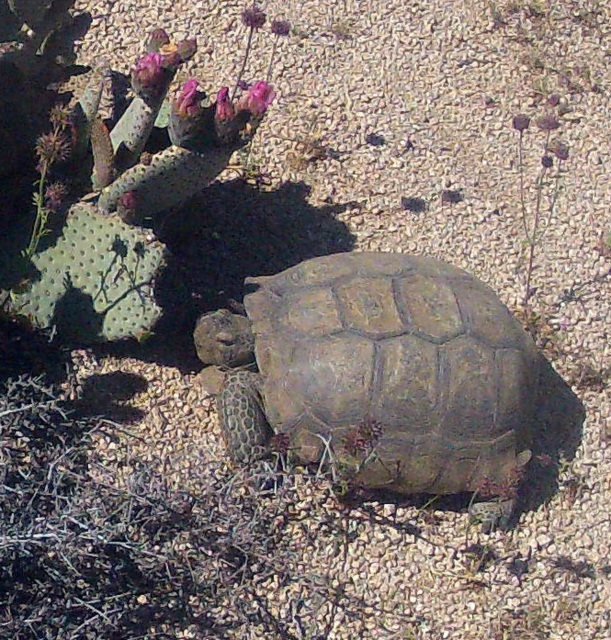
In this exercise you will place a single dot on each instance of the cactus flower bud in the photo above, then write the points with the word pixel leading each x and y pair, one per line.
pixel 186 49
pixel 128 204
pixel 224 107
pixel 148 71
pixel 188 101
pixel 257 99
pixel 157 39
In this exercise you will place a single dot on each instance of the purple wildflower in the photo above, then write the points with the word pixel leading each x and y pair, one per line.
pixel 59 115
pixel 521 122
pixel 281 27
pixel 53 147
pixel 253 17
pixel 548 123
pixel 560 150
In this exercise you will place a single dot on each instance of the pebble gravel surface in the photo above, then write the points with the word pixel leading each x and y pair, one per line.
pixel 393 121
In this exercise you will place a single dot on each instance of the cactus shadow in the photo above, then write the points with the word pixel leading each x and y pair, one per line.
pixel 230 231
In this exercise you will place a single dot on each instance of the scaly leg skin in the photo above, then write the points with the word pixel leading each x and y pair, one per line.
pixel 492 515
pixel 243 423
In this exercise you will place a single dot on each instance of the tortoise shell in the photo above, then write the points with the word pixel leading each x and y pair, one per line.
pixel 412 371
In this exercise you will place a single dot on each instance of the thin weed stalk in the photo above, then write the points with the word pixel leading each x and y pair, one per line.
pixel 254 19
pixel 534 234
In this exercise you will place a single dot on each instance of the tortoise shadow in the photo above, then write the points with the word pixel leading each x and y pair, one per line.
pixel 556 438
pixel 230 231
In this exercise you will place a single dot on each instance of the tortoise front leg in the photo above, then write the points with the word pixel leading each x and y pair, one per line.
pixel 244 426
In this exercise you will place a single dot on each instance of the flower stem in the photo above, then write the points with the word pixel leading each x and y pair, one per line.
pixel 533 237
pixel 248 45
pixel 271 60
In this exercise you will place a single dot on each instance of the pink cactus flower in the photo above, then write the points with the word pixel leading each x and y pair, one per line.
pixel 148 70
pixel 188 102
pixel 258 98
pixel 224 107
pixel 128 201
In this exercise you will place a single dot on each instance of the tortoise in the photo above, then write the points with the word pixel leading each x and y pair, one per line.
pixel 408 373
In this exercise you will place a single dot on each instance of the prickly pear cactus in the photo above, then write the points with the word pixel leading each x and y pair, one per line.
pixel 163 183
pixel 96 282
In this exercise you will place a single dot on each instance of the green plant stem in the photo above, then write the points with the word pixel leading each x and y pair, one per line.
pixel 41 214
pixel 521 173
pixel 532 237
pixel 271 59
pixel 553 200
pixel 248 45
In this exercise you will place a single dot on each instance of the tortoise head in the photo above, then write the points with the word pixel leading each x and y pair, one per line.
pixel 224 338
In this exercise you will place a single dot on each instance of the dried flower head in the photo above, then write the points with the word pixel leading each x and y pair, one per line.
pixel 281 443
pixel 547 161
pixel 521 122
pixel 253 17
pixel 173 54
pixel 560 150
pixel 188 102
pixel 257 99
pixel 53 147
pixel 281 27
pixel 553 100
pixel 548 123
pixel 60 115
pixel 55 194
pixel 224 107
pixel 362 438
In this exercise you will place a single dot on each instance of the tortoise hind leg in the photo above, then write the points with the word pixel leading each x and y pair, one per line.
pixel 243 423
pixel 493 514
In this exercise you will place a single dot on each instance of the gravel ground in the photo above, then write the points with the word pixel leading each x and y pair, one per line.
pixel 392 131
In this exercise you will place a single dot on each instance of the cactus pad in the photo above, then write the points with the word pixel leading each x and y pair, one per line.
pixel 96 282
pixel 172 177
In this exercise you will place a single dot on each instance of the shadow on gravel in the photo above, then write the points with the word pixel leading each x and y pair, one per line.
pixel 106 395
pixel 30 352
pixel 232 230
pixel 557 435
